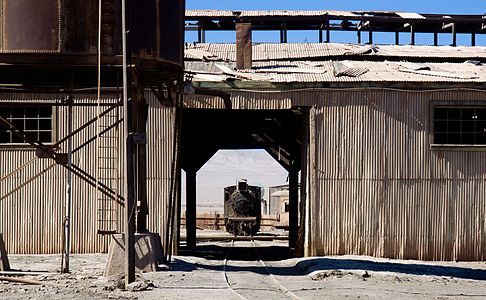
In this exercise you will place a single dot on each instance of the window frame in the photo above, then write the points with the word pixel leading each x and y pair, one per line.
pixel 452 104
pixel 54 127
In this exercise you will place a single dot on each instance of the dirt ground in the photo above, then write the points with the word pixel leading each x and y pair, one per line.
pixel 206 277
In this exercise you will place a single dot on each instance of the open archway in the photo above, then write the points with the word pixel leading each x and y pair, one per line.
pixel 282 134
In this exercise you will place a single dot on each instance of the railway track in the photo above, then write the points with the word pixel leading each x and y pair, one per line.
pixel 251 278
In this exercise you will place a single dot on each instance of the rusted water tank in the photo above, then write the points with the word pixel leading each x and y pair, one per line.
pixel 71 26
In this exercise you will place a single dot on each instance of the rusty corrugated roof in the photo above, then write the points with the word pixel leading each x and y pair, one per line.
pixel 298 51
pixel 384 71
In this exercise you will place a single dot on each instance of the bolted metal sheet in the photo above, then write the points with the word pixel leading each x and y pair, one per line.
pixel 28 26
pixel 71 26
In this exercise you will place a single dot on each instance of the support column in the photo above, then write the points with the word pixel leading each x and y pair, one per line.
pixel 191 209
pixel 436 38
pixel 129 181
pixel 397 38
pixel 359 37
pixel 201 33
pixel 140 113
pixel 293 207
pixel 454 35
pixel 4 264
pixel 473 39
pixel 412 34
pixel 283 33
pixel 321 35
pixel 178 214
pixel 328 32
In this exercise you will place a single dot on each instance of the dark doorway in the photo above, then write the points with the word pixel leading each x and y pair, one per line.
pixel 282 133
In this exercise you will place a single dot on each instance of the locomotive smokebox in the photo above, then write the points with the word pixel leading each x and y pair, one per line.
pixel 71 27
pixel 242 208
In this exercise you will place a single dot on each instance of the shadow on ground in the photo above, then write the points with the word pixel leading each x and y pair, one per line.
pixel 217 252
pixel 304 267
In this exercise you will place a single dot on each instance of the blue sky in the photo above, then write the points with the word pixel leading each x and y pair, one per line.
pixel 424 6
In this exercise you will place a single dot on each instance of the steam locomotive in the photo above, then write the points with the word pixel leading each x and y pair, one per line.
pixel 242 208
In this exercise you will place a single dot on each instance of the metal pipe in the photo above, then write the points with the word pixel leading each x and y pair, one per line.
pixel 68 208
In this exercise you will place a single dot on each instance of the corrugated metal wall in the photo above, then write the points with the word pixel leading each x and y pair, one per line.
pixel 31 219
pixel 380 188
pixel 383 191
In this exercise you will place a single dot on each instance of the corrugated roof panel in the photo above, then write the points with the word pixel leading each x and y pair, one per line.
pixel 410 15
pixel 378 72
pixel 209 13
pixel 269 51
pixel 273 13
pixel 341 13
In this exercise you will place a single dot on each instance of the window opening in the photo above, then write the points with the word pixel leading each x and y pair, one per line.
pixel 460 125
pixel 35 121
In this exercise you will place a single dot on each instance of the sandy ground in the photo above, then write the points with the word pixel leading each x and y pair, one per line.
pixel 204 277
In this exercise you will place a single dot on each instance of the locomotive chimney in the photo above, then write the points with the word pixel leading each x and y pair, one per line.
pixel 243 46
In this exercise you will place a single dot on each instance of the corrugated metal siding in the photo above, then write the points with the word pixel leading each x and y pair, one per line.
pixel 32 218
pixel 381 190
pixel 160 139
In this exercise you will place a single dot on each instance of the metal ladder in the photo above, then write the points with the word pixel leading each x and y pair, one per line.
pixel 108 171
pixel 108 135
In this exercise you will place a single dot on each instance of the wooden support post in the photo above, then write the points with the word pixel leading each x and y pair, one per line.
pixel 397 38
pixel 359 36
pixel 412 34
pixel 129 181
pixel 191 208
pixel 4 264
pixel 201 33
pixel 321 35
pixel 436 39
pixel 473 39
pixel 293 207
pixel 140 113
pixel 328 32
pixel 370 36
pixel 283 33
pixel 454 35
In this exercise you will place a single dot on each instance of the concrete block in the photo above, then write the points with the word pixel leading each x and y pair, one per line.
pixel 148 254
pixel 4 264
